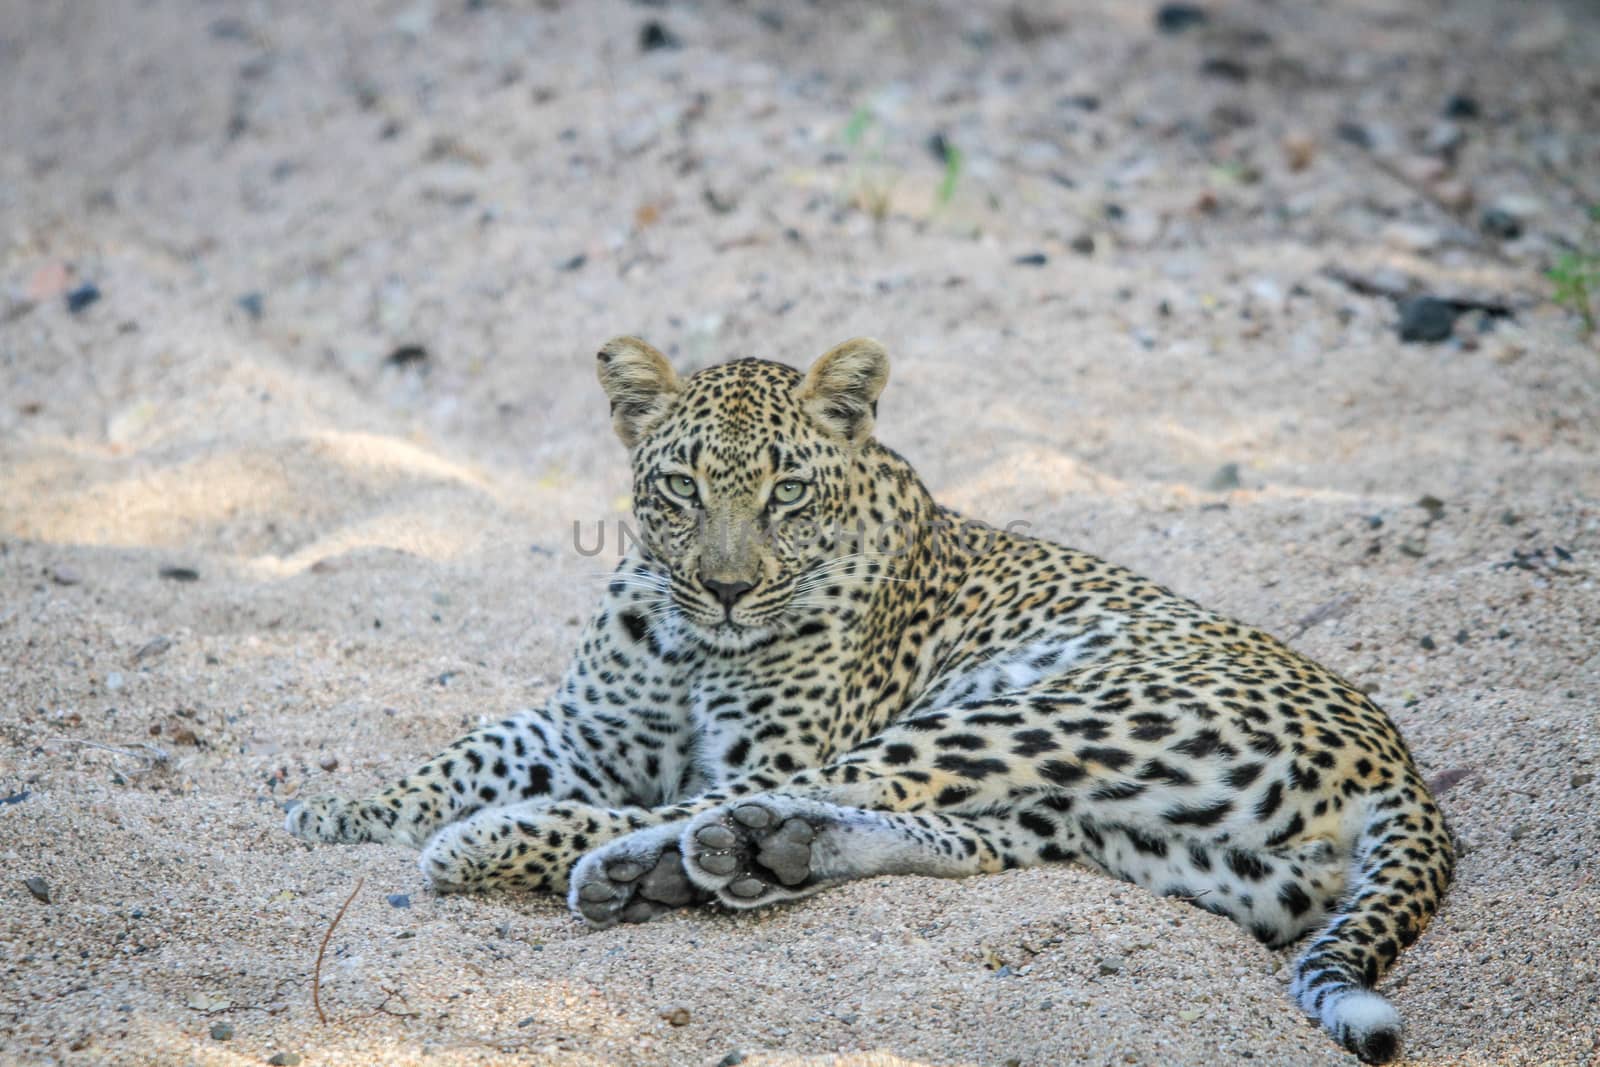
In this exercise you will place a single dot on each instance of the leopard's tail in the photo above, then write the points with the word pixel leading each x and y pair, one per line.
pixel 1402 864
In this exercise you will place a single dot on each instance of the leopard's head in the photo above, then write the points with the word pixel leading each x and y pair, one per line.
pixel 746 483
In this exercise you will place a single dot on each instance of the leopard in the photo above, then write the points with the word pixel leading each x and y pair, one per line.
pixel 804 670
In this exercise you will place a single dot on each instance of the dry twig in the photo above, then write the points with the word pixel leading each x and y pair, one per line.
pixel 316 973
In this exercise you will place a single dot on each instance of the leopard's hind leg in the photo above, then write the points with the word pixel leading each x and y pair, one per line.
pixel 1278 894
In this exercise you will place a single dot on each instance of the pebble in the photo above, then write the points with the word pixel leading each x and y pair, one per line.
pixel 285 1059
pixel 677 1016
pixel 1083 244
pixel 1176 18
pixel 1581 779
pixel 1454 194
pixel 1299 150
pixel 222 1032
pixel 407 356
pixel 732 1059
pixel 1423 170
pixel 178 574
pixel 399 900
pixel 152 648
pixel 1443 139
pixel 65 576
pixel 39 888
pixel 1410 237
pixel 1032 259
pixel 114 681
pixel 1111 965
pixel 1354 133
pixel 1500 224
pixel 1225 68
pixel 1427 319
pixel 252 304
pixel 1462 106
pixel 82 297
pixel 1226 478
pixel 653 36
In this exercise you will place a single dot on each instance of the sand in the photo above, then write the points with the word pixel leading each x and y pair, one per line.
pixel 253 548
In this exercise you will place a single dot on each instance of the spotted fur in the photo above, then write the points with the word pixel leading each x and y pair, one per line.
pixel 779 695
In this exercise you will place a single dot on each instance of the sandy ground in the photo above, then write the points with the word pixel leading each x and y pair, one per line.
pixel 246 554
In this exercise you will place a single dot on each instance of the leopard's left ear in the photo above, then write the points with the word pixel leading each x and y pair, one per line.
pixel 640 383
pixel 841 389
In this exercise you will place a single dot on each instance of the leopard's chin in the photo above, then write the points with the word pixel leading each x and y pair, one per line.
pixel 728 636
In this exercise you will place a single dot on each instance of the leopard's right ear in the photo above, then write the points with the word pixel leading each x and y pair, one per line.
pixel 641 384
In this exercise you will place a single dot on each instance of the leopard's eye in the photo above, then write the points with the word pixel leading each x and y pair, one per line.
pixel 787 492
pixel 682 486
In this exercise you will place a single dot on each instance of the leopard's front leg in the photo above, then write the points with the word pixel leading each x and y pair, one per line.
pixel 513 761
pixel 524 846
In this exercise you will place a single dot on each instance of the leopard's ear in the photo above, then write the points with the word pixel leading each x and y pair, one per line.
pixel 641 384
pixel 841 389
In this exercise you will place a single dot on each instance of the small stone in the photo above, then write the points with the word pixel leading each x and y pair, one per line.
pixel 1581 779
pixel 1443 139
pixel 573 263
pixel 1226 68
pixel 1410 237
pixel 939 147
pixel 1427 643
pixel 222 1032
pixel 1226 479
pixel 1500 224
pixel 1427 319
pixel 1083 244
pixel 407 356
pixel 1032 259
pixel 1177 18
pixel 114 681
pixel 1453 194
pixel 82 297
pixel 399 900
pixel 653 36
pixel 64 576
pixel 677 1016
pixel 178 574
pixel 329 763
pixel 1461 106
pixel 252 304
pixel 1354 133
pixel 732 1059
pixel 1111 965
pixel 284 1059
pixel 1299 150
pixel 152 648
pixel 39 888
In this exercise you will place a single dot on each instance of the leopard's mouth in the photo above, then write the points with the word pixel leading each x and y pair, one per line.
pixel 727 635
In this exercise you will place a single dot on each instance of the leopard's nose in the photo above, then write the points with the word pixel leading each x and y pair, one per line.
pixel 727 592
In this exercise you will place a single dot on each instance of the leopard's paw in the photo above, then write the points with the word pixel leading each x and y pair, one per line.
pixel 464 856
pixel 335 820
pixel 757 851
pixel 632 879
